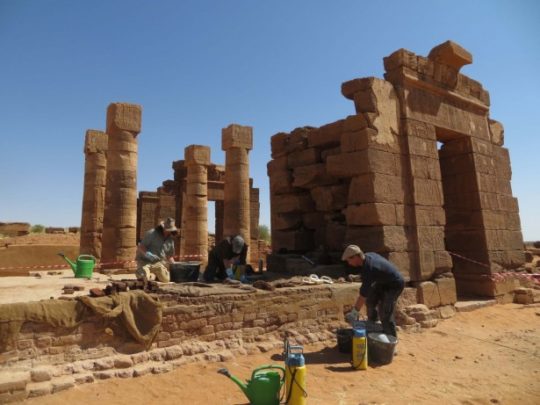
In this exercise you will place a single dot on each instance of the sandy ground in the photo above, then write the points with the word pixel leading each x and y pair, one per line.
pixel 44 286
pixel 489 356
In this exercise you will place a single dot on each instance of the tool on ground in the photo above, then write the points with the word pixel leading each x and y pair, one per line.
pixel 315 279
pixel 84 267
pixel 309 261
pixel 359 348
pixel 295 374
pixel 264 386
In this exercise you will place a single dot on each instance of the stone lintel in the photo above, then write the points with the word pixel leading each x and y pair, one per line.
pixel 237 136
pixel 124 116
pixel 451 54
pixel 197 155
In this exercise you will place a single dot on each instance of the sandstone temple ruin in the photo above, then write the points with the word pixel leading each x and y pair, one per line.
pixel 197 181
pixel 114 219
pixel 418 174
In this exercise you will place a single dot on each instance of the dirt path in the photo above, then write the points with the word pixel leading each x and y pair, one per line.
pixel 489 356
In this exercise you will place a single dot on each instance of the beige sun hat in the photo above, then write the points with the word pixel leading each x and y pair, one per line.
pixel 168 225
pixel 350 251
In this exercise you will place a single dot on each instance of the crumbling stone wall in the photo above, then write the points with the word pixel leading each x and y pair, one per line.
pixel 45 360
pixel 211 328
pixel 378 178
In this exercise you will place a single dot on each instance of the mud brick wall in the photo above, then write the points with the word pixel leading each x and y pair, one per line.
pixel 418 172
pixel 45 360
pixel 213 328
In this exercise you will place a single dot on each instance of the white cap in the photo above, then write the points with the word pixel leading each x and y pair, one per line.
pixel 237 244
pixel 350 251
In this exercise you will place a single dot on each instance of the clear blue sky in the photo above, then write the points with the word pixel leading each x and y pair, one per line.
pixel 197 66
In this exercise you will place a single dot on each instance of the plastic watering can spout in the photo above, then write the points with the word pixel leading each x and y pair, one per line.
pixel 238 382
pixel 73 265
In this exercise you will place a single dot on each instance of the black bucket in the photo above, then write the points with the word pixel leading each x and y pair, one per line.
pixel 184 272
pixel 344 340
pixel 380 352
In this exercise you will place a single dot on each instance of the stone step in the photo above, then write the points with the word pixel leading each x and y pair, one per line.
pixel 466 306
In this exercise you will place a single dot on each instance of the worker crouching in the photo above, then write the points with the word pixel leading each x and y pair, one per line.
pixel 230 251
pixel 155 253
pixel 382 284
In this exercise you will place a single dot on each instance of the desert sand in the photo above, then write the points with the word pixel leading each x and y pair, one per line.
pixel 488 356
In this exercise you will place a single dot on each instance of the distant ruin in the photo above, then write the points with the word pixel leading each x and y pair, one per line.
pixel 196 181
pixel 114 220
pixel 417 173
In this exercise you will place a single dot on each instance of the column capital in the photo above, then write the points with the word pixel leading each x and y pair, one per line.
pixel 95 141
pixel 124 117
pixel 197 155
pixel 237 136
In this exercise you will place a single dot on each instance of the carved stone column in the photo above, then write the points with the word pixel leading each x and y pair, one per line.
pixel 195 215
pixel 120 219
pixel 95 176
pixel 237 141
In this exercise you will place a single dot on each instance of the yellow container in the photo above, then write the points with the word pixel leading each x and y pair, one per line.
pixel 295 380
pixel 359 349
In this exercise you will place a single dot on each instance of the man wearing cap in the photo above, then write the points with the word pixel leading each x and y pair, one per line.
pixel 382 284
pixel 231 250
pixel 155 251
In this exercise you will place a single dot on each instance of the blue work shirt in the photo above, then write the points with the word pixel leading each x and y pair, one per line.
pixel 155 241
pixel 376 269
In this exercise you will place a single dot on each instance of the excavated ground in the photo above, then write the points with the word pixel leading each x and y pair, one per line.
pixel 488 356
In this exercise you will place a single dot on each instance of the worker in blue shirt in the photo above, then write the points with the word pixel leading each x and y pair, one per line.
pixel 382 284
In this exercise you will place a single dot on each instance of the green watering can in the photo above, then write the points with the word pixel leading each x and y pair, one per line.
pixel 264 386
pixel 84 266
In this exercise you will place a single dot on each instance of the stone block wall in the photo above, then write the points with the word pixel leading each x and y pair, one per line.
pixel 45 360
pixel 417 174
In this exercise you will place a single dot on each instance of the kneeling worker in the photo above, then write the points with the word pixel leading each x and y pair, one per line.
pixel 382 284
pixel 155 251
pixel 231 250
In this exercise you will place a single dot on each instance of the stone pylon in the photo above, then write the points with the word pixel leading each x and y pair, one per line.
pixel 237 141
pixel 120 219
pixel 95 175
pixel 195 206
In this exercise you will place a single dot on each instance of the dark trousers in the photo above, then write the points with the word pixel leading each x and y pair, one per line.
pixel 215 268
pixel 381 303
